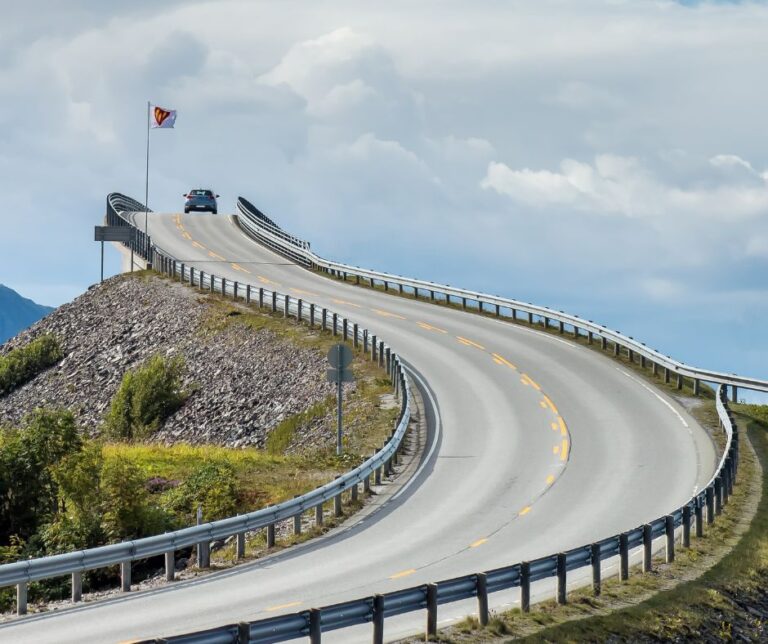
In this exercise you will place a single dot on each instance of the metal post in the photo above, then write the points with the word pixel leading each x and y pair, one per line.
pixel 647 548
pixel 223 287
pixel 334 318
pixel 381 353
pixel 365 341
pixel 616 349
pixel 243 633
pixel 699 512
pixel 319 514
pixel 525 587
pixel 378 619
pixel 669 530
pixel 603 343
pixel 377 476
pixel 240 551
pixel 125 576
pixel 311 316
pixel 367 484
pixel 21 598
pixel 324 319
pixel 205 554
pixel 734 393
pixel 170 565
pixel 315 629
pixel 561 327
pixel 344 329
pixel 286 306
pixel 337 511
pixel 431 610
pixel 631 355
pixel 463 303
pixel 696 386
pixel 482 598
pixel 77 586
pixel 299 312
pixel 710 495
pixel 623 557
pixel 297 524
pixel 718 495
pixel 561 578
pixel 498 311
pixel 596 571
pixel 353 496
pixel 102 261
pixel 687 526
pixel 261 297
pixel 679 381
pixel 271 535
pixel 274 301
pixel 373 348
pixel 247 292
pixel 666 375
pixel 355 341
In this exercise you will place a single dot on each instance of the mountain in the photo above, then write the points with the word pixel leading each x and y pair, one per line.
pixel 17 313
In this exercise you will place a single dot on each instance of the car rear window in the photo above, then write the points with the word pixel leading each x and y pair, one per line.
pixel 201 193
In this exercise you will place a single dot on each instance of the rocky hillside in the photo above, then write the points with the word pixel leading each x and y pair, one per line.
pixel 242 381
pixel 17 312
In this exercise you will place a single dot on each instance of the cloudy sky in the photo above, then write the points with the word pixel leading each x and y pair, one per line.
pixel 604 157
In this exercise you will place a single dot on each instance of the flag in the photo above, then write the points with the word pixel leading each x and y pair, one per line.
pixel 162 118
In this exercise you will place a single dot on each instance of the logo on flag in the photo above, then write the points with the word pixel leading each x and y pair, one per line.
pixel 163 118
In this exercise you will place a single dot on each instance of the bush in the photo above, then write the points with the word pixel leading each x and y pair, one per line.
pixel 212 486
pixel 22 364
pixel 146 397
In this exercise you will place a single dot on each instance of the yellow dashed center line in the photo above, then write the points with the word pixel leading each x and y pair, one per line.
pixel 386 314
pixel 429 327
pixel 555 426
pixel 469 343
pixel 302 292
pixel 357 306
pixel 479 542
pixel 502 360
pixel 550 404
pixel 561 424
pixel 526 380
pixel 281 606
pixel 404 573
pixel 556 449
pixel 215 255
pixel 237 267
pixel 186 235
pixel 264 280
pixel 550 479
pixel 564 451
pixel 198 245
pixel 525 510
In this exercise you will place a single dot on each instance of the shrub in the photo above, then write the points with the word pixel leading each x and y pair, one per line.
pixel 146 397
pixel 22 364
pixel 212 486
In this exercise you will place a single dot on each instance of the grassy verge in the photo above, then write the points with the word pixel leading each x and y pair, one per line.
pixel 677 602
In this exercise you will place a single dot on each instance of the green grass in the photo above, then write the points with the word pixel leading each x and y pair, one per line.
pixel 674 602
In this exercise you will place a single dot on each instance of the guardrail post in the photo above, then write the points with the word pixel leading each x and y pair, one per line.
pixel 274 301
pixel 345 329
pixel 355 341
pixel 590 337
pixel 367 484
pixel 353 495
pixel 718 495
pixel 243 633
pixel 125 576
pixel 224 287
pixel 463 303
pixel 666 375
pixel 21 598
pixel 603 343
pixel 560 327
pixel 561 579
pixel 596 570
pixel 655 368
pixel 365 341
pixel 205 554
pixel 400 288
pixel 726 480
pixel 357 280
pixel 234 291
pixel 386 286
pixel 337 505
pixel 373 348
pixel 623 557
pixel 247 293
pixel 498 311
pixel 261 297
pixel 182 272
pixel 699 512
pixel 686 526
pixel 388 360
pixel 240 547
pixel 191 275
pixel 315 630
pixel 647 548
pixel 311 316
pixel 734 393
pixel 381 353
pixel 530 318
pixel 334 323
pixel 271 535
pixel 211 285
pixel 696 386
pixel 643 361
pixel 431 610
pixel 669 532
pixel 546 322
pixel 616 349
pixel 482 598
pixel 299 312
pixel 631 355
pixel 377 476
pixel 378 619
pixel 525 587
pixel 710 496
pixel 77 586
pixel 296 523
pixel 679 381
pixel 170 565
pixel 286 306
pixel 324 319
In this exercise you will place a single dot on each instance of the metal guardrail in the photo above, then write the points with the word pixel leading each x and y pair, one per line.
pixel 381 463
pixel 298 250
pixel 707 504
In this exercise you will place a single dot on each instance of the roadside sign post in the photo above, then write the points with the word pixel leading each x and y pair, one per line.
pixel 339 357
pixel 114 234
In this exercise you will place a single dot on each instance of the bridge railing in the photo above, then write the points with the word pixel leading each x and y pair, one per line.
pixel 370 472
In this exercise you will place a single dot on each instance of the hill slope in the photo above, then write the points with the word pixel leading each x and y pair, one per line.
pixel 17 313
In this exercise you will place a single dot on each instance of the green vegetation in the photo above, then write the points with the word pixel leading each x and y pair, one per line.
pixel 281 437
pixel 21 365
pixel 674 602
pixel 146 397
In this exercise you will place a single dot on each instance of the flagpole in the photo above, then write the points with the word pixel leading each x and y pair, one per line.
pixel 146 184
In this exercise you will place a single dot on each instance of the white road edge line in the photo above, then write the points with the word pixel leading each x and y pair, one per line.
pixel 435 439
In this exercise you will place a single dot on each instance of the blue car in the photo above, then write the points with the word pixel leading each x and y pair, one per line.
pixel 202 200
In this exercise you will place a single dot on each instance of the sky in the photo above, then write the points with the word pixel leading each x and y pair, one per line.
pixel 603 157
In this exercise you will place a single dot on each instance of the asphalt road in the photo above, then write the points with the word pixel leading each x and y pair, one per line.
pixel 540 445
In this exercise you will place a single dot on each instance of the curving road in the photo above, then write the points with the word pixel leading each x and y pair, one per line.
pixel 539 445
